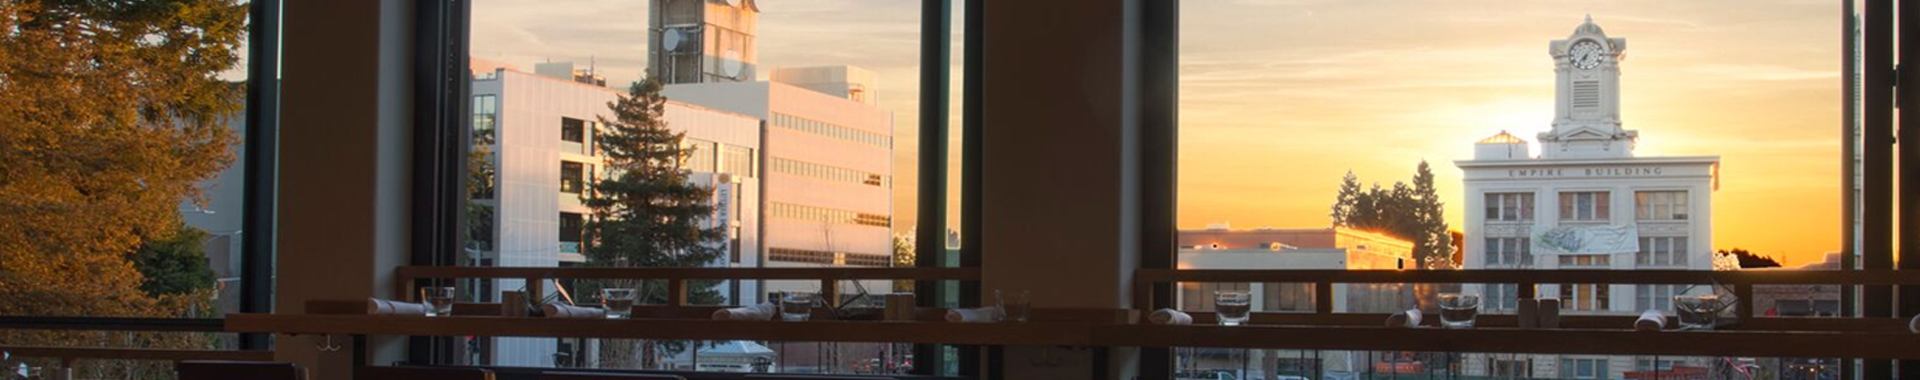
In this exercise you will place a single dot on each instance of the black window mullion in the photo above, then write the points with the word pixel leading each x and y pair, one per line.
pixel 259 164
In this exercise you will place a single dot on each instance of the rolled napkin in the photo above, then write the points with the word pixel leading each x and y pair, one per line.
pixel 376 306
pixel 561 310
pixel 1914 325
pixel 974 315
pixel 1409 318
pixel 1650 320
pixel 759 312
pixel 1169 317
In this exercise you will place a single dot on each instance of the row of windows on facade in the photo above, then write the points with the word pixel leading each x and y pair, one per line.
pixel 573 175
pixel 1654 251
pixel 1588 297
pixel 712 157
pixel 828 172
pixel 828 215
pixel 831 130
pixel 807 256
pixel 1589 206
pixel 1574 368
pixel 573 234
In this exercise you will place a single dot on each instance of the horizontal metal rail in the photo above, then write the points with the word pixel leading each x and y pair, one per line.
pixel 112 324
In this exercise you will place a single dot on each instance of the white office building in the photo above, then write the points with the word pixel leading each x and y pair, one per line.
pixel 1585 201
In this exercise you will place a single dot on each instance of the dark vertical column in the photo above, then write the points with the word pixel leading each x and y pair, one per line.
pixel 1160 143
pixel 930 235
pixel 971 136
pixel 1908 303
pixel 441 138
pixel 259 161
pixel 1849 104
pixel 1877 187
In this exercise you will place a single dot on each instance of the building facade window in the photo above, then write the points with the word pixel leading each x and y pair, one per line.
pixel 1655 297
pixel 1584 206
pixel 1288 296
pixel 1509 207
pixel 1584 297
pixel 831 130
pixel 572 232
pixel 1198 296
pixel 573 130
pixel 1510 368
pixel 1509 252
pixel 486 116
pixel 828 172
pixel 1662 252
pixel 1660 205
pixel 573 177
pixel 1585 261
pixel 808 256
pixel 736 160
pixel 1502 296
pixel 1583 368
pixel 700 156
pixel 829 215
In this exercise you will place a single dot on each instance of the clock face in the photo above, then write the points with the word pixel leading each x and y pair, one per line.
pixel 1585 55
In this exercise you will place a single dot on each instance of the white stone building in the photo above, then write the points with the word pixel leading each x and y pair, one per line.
pixel 1586 201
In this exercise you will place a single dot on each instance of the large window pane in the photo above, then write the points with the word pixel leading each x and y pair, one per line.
pixel 1503 135
pixel 792 124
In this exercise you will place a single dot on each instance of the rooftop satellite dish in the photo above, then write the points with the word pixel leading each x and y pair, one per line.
pixel 672 39
pixel 731 66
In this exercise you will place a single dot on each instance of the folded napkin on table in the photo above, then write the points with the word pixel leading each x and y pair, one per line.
pixel 376 306
pixel 1650 320
pixel 978 314
pixel 759 312
pixel 561 310
pixel 1169 317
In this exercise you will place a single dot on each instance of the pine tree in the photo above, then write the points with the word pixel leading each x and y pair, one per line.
pixel 1346 199
pixel 1433 243
pixel 647 212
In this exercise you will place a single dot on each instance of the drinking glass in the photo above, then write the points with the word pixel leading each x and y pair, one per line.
pixel 1014 305
pixel 439 300
pixel 618 301
pixel 796 306
pixel 1697 312
pixel 1232 307
pixel 1457 311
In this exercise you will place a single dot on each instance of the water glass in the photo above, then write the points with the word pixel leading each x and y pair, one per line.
pixel 1014 305
pixel 618 301
pixel 1698 312
pixel 1457 311
pixel 796 306
pixel 439 300
pixel 1232 307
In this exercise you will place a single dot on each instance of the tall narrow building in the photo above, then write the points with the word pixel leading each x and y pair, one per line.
pixel 702 41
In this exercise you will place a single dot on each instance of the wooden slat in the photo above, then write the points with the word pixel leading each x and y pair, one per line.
pixel 693 273
pixel 1506 340
pixel 1035 333
pixel 1877 325
pixel 1548 276
pixel 134 353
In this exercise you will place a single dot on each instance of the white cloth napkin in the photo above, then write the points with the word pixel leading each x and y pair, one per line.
pixel 974 315
pixel 376 306
pixel 1409 318
pixel 759 312
pixel 1650 320
pixel 1915 325
pixel 1169 317
pixel 560 310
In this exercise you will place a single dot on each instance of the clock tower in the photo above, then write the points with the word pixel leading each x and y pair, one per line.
pixel 1586 121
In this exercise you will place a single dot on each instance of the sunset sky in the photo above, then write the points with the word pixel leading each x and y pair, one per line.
pixel 1280 98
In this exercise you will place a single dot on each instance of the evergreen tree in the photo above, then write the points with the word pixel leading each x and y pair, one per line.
pixel 1344 201
pixel 1432 241
pixel 647 212
pixel 175 264
pixel 1414 213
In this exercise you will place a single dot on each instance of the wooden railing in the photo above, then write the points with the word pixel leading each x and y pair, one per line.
pixel 67 355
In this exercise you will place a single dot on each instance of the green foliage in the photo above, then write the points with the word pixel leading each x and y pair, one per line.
pixel 1414 213
pixel 1750 259
pixel 648 213
pixel 175 264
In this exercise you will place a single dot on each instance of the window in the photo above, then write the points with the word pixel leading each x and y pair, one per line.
pixel 1511 368
pixel 573 177
pixel 1584 206
pixel 573 130
pixel 828 215
pixel 700 156
pixel 1509 252
pixel 1655 364
pixel 1583 368
pixel 736 160
pixel 1287 296
pixel 1199 296
pixel 1584 297
pixel 828 172
pixel 486 113
pixel 1662 252
pixel 1655 297
pixel 572 232
pixel 1502 297
pixel 1509 207
pixel 1585 261
pixel 1660 205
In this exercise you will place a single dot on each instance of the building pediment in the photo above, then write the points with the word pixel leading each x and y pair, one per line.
pixel 1589 133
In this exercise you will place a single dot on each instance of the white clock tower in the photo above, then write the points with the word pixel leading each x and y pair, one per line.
pixel 1586 120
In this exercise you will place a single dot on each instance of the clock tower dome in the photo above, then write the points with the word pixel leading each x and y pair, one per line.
pixel 1586 121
